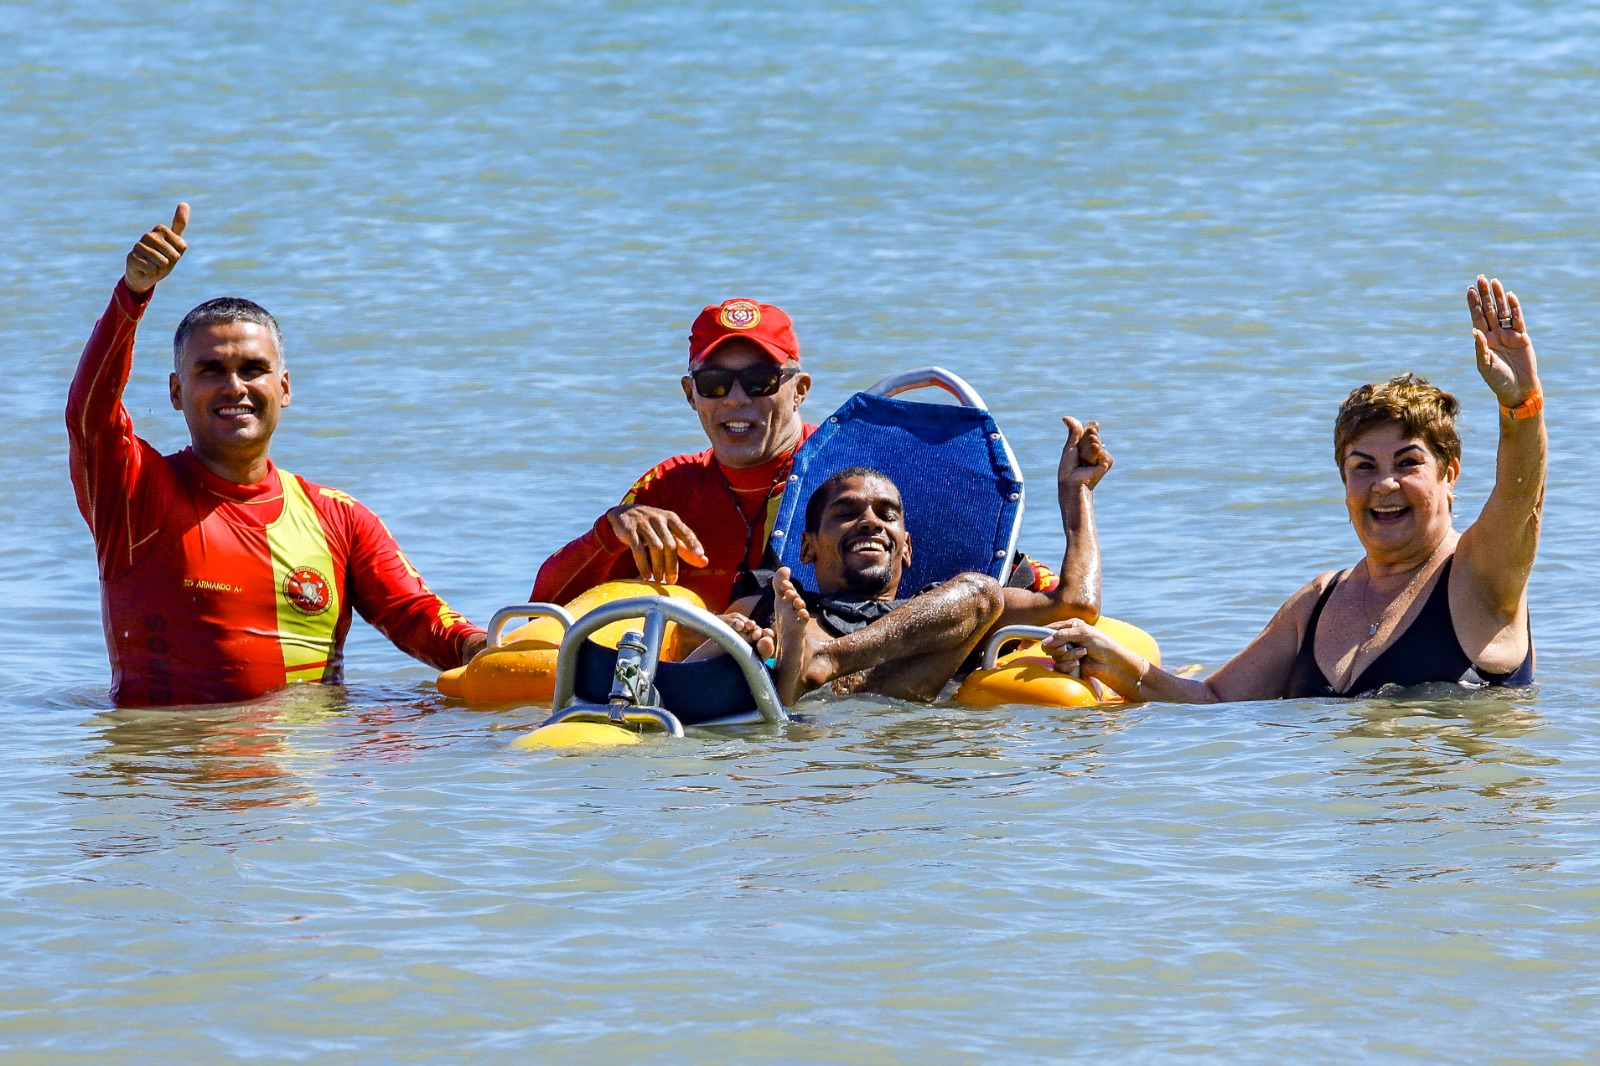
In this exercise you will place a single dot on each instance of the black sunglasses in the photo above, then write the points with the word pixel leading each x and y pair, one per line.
pixel 715 382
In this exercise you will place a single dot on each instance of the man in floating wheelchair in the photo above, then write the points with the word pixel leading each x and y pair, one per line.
pixel 855 632
pixel 712 511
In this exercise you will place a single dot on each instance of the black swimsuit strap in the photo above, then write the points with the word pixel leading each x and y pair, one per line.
pixel 1427 650
pixel 1306 677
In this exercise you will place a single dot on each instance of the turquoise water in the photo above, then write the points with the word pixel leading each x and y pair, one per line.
pixel 486 228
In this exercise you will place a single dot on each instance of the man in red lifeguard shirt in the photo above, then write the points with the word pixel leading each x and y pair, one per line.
pixel 712 510
pixel 221 576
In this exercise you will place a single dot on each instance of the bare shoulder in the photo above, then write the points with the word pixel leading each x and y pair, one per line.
pixel 1307 594
pixel 1262 670
pixel 1296 611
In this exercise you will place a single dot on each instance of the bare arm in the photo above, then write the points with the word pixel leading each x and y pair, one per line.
pixel 1084 461
pixel 1497 551
pixel 1259 672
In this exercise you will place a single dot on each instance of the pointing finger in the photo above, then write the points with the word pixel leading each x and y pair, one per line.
pixel 663 552
pixel 689 548
pixel 648 537
pixel 641 560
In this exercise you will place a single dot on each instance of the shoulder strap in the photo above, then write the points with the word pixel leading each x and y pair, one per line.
pixel 1322 601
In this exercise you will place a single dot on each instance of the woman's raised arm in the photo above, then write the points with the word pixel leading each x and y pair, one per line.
pixel 1497 550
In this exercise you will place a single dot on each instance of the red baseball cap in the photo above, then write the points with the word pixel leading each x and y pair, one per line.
pixel 768 326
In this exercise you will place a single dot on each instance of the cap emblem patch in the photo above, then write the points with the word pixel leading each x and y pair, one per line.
pixel 740 314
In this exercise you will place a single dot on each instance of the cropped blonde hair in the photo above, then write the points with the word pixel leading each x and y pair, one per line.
pixel 1418 408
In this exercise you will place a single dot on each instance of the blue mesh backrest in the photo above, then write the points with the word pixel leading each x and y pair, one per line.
pixel 961 497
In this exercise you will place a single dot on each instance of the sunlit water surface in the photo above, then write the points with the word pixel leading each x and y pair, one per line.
pixel 486 227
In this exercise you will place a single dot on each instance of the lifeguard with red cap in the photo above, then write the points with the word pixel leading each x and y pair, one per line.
pixel 700 520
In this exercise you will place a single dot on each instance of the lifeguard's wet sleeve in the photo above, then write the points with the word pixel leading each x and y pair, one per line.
pixel 107 460
pixel 389 592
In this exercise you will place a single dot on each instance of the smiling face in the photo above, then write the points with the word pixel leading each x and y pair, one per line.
pixel 860 546
pixel 749 430
pixel 1398 493
pixel 230 383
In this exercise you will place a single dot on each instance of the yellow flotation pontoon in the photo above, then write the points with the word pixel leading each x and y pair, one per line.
pixel 519 667
pixel 1027 675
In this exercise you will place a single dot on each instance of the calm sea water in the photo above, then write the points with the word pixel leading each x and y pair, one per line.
pixel 486 227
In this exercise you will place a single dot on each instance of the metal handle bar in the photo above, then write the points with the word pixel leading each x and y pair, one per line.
pixel 526 610
pixel 701 621
pixel 991 651
pixel 937 376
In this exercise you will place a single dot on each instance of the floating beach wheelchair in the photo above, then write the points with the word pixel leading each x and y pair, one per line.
pixel 606 662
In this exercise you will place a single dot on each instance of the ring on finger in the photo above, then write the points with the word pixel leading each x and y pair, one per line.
pixel 1505 322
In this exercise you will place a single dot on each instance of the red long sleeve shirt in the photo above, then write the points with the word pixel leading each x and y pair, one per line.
pixel 730 510
pixel 215 592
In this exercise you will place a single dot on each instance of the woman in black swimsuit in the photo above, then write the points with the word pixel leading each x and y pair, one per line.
pixel 1425 603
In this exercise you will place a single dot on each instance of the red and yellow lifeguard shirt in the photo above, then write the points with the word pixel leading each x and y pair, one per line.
pixel 215 592
pixel 731 511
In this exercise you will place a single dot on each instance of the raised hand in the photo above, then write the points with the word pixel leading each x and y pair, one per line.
pixel 1084 459
pixel 157 252
pixel 658 539
pixel 1505 351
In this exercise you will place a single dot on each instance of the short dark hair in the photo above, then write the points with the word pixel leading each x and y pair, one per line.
pixel 823 494
pixel 1419 408
pixel 220 311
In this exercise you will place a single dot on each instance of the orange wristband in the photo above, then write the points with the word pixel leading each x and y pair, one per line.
pixel 1533 405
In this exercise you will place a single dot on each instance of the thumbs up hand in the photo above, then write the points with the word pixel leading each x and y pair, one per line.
pixel 157 252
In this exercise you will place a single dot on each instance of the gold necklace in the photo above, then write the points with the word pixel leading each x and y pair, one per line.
pixel 1366 590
